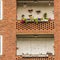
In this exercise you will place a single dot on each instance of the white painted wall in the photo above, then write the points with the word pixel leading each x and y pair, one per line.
pixel 35 45
pixel 43 7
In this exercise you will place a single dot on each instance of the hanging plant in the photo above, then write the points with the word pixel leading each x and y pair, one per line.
pixel 45 15
pixel 30 11
pixel 38 11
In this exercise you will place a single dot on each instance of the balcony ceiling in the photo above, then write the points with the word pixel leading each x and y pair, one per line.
pixel 35 36
pixel 32 1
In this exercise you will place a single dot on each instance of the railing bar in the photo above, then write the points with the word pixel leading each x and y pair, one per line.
pixel 36 58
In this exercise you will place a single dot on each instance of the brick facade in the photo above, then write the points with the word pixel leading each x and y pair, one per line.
pixel 57 29
pixel 8 30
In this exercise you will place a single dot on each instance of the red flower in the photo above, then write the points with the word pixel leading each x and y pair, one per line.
pixel 22 21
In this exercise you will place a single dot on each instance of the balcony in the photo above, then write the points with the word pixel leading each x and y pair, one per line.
pixel 33 28
pixel 32 10
pixel 36 58
pixel 39 47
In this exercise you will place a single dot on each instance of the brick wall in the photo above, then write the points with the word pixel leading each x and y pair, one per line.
pixel 57 29
pixel 8 30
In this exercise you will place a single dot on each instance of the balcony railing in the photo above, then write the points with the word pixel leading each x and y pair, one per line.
pixel 35 58
pixel 41 27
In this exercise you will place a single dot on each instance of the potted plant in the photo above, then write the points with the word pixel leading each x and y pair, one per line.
pixel 31 18
pixel 36 20
pixel 45 17
pixel 23 19
pixel 30 11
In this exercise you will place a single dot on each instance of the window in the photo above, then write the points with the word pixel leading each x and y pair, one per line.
pixel 0 9
pixel 0 44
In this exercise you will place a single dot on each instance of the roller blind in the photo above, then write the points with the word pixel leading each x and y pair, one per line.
pixel 35 45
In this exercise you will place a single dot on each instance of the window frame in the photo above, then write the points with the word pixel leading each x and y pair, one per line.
pixel 1 44
pixel 1 10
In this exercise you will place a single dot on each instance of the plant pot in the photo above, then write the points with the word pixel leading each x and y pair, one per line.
pixel 22 21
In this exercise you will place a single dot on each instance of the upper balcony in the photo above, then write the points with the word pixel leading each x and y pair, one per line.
pixel 35 17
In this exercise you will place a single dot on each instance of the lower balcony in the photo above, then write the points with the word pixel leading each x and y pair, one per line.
pixel 35 47
pixel 43 27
